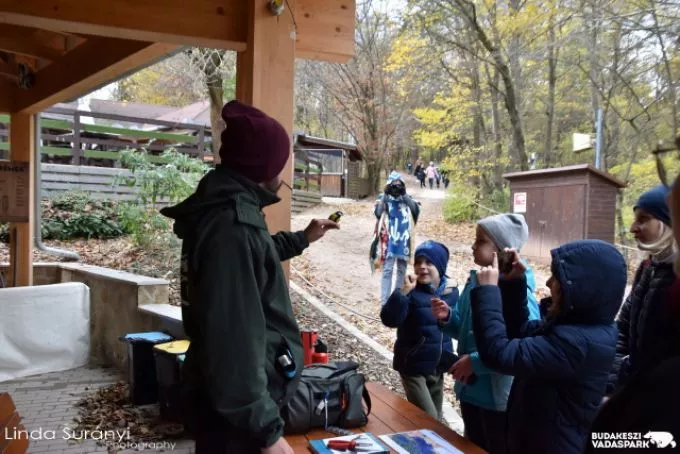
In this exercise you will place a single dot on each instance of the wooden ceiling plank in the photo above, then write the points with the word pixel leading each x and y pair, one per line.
pixel 8 69
pixel 32 42
pixel 31 63
pixel 46 38
pixel 208 23
pixel 7 90
pixel 25 47
pixel 325 29
pixel 91 65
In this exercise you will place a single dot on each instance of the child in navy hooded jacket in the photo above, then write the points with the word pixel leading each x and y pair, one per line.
pixel 483 402
pixel 561 363
pixel 420 343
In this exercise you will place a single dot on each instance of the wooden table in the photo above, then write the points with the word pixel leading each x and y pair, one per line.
pixel 389 414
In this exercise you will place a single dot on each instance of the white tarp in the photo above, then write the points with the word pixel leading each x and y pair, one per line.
pixel 43 328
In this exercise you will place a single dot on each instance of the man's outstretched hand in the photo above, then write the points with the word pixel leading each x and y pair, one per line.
pixel 318 228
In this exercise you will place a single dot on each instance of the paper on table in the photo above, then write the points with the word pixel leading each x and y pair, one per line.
pixel 419 442
pixel 321 446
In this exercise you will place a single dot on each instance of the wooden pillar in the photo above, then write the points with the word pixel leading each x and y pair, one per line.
pixel 22 148
pixel 265 78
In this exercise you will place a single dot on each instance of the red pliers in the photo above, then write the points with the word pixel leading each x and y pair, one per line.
pixel 352 445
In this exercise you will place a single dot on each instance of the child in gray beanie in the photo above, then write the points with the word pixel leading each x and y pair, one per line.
pixel 508 230
pixel 483 393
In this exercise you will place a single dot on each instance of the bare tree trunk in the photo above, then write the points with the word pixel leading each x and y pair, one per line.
pixel 553 53
pixel 593 26
pixel 214 84
pixel 610 151
pixel 493 82
pixel 478 123
pixel 514 52
pixel 374 169
pixel 672 97
pixel 510 98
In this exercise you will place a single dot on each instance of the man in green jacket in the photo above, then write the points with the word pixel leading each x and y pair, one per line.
pixel 245 356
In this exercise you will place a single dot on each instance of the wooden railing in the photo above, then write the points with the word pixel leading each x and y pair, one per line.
pixel 307 173
pixel 72 141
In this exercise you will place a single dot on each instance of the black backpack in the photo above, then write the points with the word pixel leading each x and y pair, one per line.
pixel 328 395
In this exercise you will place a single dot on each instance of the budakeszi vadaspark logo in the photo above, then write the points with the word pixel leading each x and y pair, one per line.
pixel 618 440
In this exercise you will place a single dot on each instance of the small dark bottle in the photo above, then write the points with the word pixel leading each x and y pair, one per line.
pixel 320 354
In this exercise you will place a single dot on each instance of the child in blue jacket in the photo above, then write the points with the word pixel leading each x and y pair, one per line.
pixel 420 343
pixel 561 363
pixel 483 398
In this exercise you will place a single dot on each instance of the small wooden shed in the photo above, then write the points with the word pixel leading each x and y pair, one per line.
pixel 564 204
pixel 336 159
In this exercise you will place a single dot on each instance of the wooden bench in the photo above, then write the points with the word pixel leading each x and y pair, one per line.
pixel 10 427
pixel 390 413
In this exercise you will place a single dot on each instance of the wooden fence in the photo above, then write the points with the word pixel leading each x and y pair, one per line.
pixel 67 139
pixel 307 173
pixel 303 200
pixel 98 182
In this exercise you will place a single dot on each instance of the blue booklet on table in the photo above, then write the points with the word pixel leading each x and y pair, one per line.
pixel 370 445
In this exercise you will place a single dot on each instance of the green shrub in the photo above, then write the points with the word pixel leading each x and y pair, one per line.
pixel 498 200
pixel 458 208
pixel 74 214
pixel 172 181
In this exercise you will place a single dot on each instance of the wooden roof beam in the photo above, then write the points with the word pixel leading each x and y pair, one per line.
pixel 9 69
pixel 22 41
pixel 208 23
pixel 325 30
pixel 95 63
pixel 6 95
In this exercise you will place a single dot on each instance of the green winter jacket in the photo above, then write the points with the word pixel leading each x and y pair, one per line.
pixel 236 307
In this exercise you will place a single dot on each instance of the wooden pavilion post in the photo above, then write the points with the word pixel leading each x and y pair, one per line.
pixel 265 78
pixel 22 148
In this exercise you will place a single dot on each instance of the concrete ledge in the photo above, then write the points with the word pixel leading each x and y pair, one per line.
pixel 166 311
pixel 110 274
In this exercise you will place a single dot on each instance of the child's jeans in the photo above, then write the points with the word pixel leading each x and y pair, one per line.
pixel 386 286
pixel 485 428
pixel 425 392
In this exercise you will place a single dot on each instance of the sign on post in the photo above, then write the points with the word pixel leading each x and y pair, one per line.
pixel 581 142
pixel 14 191
pixel 519 203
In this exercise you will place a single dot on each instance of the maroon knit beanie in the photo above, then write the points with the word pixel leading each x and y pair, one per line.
pixel 253 144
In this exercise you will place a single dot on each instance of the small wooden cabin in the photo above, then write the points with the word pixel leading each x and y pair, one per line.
pixel 564 204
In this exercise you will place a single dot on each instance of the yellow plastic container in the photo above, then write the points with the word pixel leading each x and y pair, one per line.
pixel 176 347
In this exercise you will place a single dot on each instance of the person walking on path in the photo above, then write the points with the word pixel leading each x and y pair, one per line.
pixel 397 214
pixel 431 173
